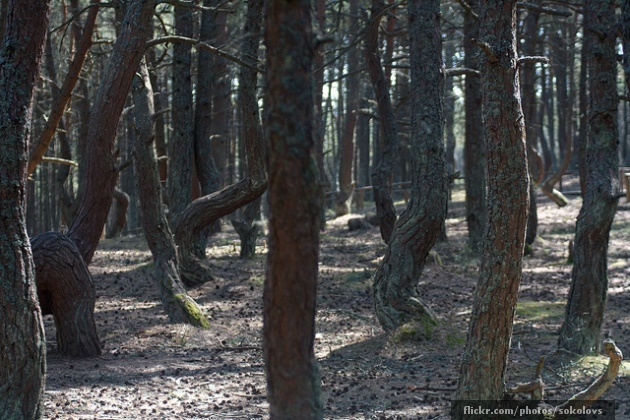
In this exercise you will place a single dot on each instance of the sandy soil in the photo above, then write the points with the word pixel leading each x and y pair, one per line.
pixel 154 370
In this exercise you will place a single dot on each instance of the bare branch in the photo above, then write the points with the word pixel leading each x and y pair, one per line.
pixel 460 71
pixel 467 8
pixel 60 161
pixel 204 46
pixel 542 9
pixel 533 59
pixel 487 49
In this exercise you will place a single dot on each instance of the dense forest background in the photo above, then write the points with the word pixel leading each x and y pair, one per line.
pixel 245 152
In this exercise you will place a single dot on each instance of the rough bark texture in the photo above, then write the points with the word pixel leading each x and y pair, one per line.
pixel 23 355
pixel 343 198
pixel 474 147
pixel 417 229
pixel 177 304
pixel 101 171
pixel 482 372
pixel 181 143
pixel 383 168
pixel 66 290
pixel 580 332
pixel 293 383
pixel 319 128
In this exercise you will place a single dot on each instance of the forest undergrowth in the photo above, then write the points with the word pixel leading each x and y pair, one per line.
pixel 154 370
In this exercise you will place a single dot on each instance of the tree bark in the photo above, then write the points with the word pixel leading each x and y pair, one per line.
pixel 474 146
pixel 181 143
pixel 353 94
pixel 23 355
pixel 581 329
pixel 482 373
pixel 382 174
pixel 625 32
pixel 418 227
pixel 252 129
pixel 293 383
pixel 101 171
pixel 177 304
pixel 66 290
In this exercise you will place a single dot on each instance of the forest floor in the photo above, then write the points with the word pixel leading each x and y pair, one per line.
pixel 151 369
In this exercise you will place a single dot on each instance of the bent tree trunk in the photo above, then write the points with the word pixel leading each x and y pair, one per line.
pixel 23 354
pixel 177 304
pixel 482 374
pixel 419 226
pixel 119 213
pixel 66 290
pixel 581 329
pixel 382 176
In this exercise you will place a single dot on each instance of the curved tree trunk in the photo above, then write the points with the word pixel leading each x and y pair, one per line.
pixel 474 146
pixel 23 354
pixel 101 171
pixel 177 304
pixel 66 290
pixel 418 227
pixel 482 375
pixel 382 175
pixel 581 329
pixel 119 213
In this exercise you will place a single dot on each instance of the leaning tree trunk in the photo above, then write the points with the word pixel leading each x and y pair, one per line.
pixel 482 374
pixel 177 304
pixel 383 168
pixel 66 291
pixel 581 329
pixel 101 171
pixel 474 146
pixel 419 226
pixel 293 383
pixel 118 213
pixel 23 354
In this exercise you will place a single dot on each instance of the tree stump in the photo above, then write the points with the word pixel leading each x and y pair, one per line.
pixel 66 290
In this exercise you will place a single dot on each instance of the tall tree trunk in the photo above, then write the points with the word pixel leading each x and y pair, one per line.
pixel 581 329
pixel 583 99
pixel 625 32
pixel 418 227
pixel 528 94
pixel 384 162
pixel 293 383
pixel 181 142
pixel 319 118
pixel 177 304
pixel 482 374
pixel 245 227
pixel 23 355
pixel 353 89
pixel 207 171
pixel 474 146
